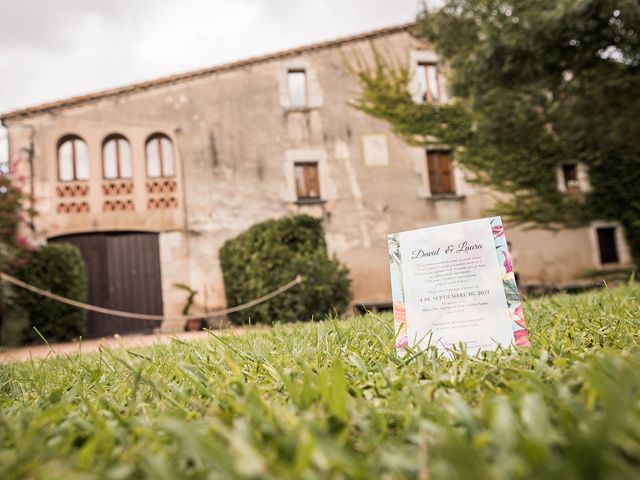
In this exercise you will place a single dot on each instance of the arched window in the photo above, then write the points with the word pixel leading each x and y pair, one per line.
pixel 73 159
pixel 160 156
pixel 116 157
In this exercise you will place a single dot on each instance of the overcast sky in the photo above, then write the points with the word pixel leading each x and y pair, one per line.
pixel 51 49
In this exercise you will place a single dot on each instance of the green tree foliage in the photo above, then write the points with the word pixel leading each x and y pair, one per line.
pixel 11 199
pixel 271 254
pixel 14 247
pixel 535 83
pixel 6 292
pixel 15 209
pixel 58 268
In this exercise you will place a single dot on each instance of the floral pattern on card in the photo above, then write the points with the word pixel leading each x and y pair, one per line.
pixel 397 293
pixel 512 295
pixel 514 305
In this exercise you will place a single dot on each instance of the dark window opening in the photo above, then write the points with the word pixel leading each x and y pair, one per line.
pixel 307 180
pixel 570 177
pixel 440 169
pixel 607 245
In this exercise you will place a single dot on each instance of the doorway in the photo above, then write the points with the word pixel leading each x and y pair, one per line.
pixel 123 273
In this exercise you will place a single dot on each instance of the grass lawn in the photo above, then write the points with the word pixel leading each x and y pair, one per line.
pixel 332 400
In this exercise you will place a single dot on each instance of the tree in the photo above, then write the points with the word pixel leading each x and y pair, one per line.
pixel 14 209
pixel 534 83
pixel 14 245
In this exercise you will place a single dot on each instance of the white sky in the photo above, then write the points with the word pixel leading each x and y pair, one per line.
pixel 51 49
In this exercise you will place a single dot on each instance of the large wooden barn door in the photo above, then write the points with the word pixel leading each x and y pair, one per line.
pixel 123 270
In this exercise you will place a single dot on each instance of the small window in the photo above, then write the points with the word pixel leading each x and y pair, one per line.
pixel 440 169
pixel 607 245
pixel 297 82
pixel 116 158
pixel 570 177
pixel 307 180
pixel 428 82
pixel 73 159
pixel 159 152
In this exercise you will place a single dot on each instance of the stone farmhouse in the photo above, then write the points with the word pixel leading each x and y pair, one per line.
pixel 150 179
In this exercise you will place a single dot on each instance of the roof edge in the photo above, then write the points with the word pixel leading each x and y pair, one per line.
pixel 193 74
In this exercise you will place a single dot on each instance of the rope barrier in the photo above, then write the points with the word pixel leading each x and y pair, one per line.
pixel 144 316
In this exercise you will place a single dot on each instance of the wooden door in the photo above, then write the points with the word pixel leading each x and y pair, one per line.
pixel 123 270
pixel 440 170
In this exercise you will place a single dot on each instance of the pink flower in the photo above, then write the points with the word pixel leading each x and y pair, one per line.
pixel 23 242
pixel 519 316
pixel 400 317
pixel 498 231
pixel 508 266
pixel 522 338
pixel 399 312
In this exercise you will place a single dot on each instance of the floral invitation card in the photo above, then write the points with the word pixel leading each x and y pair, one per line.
pixel 454 284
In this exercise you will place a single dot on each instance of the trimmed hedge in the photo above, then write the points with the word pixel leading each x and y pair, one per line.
pixel 59 268
pixel 271 254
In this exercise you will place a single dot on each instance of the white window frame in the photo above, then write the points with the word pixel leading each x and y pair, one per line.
pixel 463 189
pixel 305 86
pixel 582 173
pixel 293 156
pixel 315 97
pixel 417 57
pixel 624 256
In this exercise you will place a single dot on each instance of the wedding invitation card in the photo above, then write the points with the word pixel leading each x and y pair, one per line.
pixel 454 284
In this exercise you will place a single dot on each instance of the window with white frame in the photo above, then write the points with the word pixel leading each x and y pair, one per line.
pixel 73 159
pixel 607 245
pixel 428 82
pixel 307 180
pixel 159 152
pixel 116 158
pixel 570 177
pixel 297 85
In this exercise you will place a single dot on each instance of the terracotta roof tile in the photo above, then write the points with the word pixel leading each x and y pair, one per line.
pixel 146 85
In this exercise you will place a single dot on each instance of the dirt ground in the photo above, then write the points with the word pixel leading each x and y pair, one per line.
pixel 22 354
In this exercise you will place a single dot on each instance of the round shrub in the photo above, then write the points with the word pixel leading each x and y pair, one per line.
pixel 271 254
pixel 58 268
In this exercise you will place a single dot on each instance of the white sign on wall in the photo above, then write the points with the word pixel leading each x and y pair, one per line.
pixel 375 150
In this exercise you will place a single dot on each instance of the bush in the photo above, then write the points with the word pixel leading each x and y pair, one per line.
pixel 59 268
pixel 13 319
pixel 271 254
pixel 6 290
